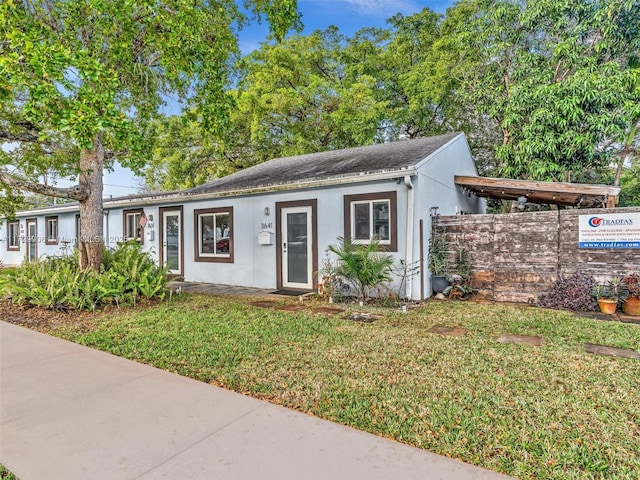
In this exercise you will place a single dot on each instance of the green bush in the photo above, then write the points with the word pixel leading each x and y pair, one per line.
pixel 362 265
pixel 127 275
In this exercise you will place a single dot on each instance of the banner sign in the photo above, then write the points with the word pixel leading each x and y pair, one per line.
pixel 609 230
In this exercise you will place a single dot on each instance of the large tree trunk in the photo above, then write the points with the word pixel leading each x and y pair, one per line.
pixel 91 218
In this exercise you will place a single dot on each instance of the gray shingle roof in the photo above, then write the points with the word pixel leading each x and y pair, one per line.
pixel 383 157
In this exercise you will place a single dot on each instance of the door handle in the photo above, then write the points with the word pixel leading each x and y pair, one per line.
pixel 284 248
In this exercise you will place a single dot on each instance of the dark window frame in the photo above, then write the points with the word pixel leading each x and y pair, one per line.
pixel 48 240
pixel 392 198
pixel 13 248
pixel 215 258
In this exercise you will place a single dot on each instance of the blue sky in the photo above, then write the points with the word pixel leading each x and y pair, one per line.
pixel 348 15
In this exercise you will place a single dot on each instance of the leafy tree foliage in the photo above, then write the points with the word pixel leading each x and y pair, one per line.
pixel 300 96
pixel 544 89
pixel 80 81
pixel 553 76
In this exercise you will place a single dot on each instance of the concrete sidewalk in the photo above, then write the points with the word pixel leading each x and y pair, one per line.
pixel 69 412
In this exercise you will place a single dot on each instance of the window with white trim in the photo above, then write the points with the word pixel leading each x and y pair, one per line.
pixel 132 227
pixel 372 216
pixel 370 219
pixel 51 229
pixel 13 235
pixel 214 234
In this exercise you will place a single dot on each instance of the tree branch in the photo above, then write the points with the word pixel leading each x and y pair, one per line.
pixel 19 137
pixel 76 192
pixel 109 154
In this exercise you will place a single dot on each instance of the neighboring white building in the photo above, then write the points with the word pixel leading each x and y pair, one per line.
pixel 270 225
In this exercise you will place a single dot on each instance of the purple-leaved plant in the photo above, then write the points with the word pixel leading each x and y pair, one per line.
pixel 572 293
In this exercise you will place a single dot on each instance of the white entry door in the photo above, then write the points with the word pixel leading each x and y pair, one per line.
pixel 172 240
pixel 297 247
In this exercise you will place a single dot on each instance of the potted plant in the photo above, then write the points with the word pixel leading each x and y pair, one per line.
pixel 610 294
pixel 438 262
pixel 460 281
pixel 631 306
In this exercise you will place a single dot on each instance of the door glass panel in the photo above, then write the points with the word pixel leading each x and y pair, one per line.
pixel 297 255
pixel 32 241
pixel 172 234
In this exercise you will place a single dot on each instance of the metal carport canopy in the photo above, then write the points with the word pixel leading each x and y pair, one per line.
pixel 552 193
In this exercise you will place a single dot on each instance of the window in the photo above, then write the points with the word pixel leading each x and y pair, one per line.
pixel 13 235
pixel 370 216
pixel 132 226
pixel 78 230
pixel 214 235
pixel 51 224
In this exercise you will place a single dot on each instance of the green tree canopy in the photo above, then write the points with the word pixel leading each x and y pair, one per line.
pixel 553 77
pixel 80 81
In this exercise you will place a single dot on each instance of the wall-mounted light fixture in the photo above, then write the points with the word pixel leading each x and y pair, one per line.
pixel 433 211
pixel 267 211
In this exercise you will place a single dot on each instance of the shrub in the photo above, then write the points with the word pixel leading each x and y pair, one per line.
pixel 57 283
pixel 437 258
pixel 572 292
pixel 362 265
pixel 632 283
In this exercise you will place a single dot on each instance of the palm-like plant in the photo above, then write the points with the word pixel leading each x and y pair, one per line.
pixel 362 265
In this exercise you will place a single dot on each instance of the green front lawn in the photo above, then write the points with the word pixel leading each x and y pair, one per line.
pixel 531 412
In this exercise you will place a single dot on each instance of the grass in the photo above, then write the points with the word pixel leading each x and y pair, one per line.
pixel 6 474
pixel 530 412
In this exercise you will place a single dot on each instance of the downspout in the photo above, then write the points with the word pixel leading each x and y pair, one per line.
pixel 106 236
pixel 409 247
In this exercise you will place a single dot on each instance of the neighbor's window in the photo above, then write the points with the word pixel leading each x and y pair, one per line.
pixel 51 224
pixel 13 236
pixel 370 216
pixel 214 234
pixel 132 227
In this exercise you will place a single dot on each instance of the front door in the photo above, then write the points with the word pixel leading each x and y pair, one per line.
pixel 32 240
pixel 296 238
pixel 172 240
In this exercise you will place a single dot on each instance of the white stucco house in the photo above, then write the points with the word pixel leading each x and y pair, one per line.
pixel 270 225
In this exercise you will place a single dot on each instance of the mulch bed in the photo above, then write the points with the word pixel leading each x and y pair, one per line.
pixel 42 319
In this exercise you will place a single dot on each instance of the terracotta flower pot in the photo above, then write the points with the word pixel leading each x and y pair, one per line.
pixel 607 305
pixel 631 306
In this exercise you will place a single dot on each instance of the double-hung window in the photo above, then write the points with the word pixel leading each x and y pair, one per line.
pixel 51 224
pixel 214 235
pixel 13 235
pixel 370 217
pixel 132 227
